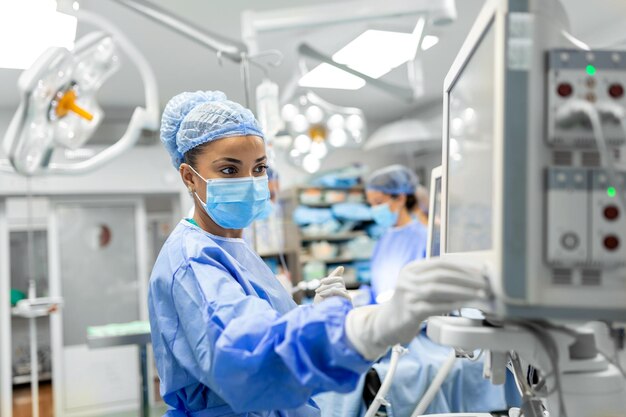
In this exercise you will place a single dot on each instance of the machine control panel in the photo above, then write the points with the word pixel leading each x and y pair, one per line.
pixel 568 196
pixel 608 223
pixel 587 223
pixel 598 77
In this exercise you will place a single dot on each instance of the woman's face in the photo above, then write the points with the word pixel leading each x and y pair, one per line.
pixel 234 157
pixel 375 198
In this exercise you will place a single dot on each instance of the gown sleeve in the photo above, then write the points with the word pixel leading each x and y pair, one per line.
pixel 246 352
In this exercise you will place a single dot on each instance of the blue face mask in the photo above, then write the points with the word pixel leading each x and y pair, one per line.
pixel 383 216
pixel 271 208
pixel 234 203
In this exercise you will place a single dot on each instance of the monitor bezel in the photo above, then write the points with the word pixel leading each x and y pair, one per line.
pixel 490 18
pixel 434 177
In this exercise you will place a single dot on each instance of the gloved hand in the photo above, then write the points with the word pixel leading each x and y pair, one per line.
pixel 425 288
pixel 332 286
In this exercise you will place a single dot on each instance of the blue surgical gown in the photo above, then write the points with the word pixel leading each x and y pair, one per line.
pixel 396 247
pixel 228 339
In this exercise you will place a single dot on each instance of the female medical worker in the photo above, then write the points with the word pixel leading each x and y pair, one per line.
pixel 391 193
pixel 228 339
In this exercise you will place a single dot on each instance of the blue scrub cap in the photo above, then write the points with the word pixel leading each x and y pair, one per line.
pixel 394 179
pixel 192 119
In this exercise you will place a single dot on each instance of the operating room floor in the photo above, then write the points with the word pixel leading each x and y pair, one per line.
pixel 22 404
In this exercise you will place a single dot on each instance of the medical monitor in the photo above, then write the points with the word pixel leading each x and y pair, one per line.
pixel 433 247
pixel 521 193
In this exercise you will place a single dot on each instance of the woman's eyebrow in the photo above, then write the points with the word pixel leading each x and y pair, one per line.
pixel 226 159
pixel 261 159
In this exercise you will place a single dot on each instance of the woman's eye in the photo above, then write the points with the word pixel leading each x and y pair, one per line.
pixel 260 169
pixel 228 171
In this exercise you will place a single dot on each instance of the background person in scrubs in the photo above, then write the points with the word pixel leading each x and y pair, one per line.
pixel 391 193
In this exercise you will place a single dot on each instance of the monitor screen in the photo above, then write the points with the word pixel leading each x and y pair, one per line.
pixel 435 231
pixel 470 151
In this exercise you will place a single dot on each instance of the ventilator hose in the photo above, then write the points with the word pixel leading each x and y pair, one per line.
pixel 430 393
pixel 379 400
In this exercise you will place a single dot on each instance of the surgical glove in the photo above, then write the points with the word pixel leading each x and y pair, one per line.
pixel 332 286
pixel 425 288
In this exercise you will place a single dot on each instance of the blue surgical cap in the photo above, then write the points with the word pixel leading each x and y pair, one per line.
pixel 394 179
pixel 192 119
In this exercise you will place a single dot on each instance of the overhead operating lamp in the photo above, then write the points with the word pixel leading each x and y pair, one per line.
pixel 58 107
pixel 318 126
pixel 58 110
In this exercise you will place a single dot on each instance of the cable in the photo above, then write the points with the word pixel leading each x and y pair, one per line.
pixel 547 341
pixel 469 355
pixel 613 362
pixel 379 400
pixel 575 41
pixel 477 357
pixel 593 114
pixel 434 387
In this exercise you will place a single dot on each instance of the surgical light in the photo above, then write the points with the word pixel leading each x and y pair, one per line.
pixel 328 76
pixel 318 127
pixel 429 41
pixel 29 27
pixel 314 114
pixel 60 92
pixel 319 149
pixel 335 121
pixel 288 112
pixel 337 138
pixel 302 144
pixel 299 123
pixel 354 122
pixel 311 164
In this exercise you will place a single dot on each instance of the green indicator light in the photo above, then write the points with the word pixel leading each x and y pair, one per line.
pixel 591 70
pixel 611 192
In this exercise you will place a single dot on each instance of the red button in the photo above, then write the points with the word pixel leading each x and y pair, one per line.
pixel 611 212
pixel 565 89
pixel 611 242
pixel 616 90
